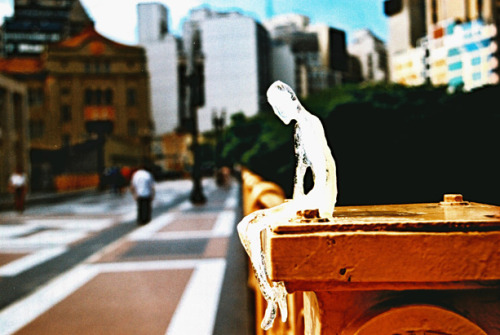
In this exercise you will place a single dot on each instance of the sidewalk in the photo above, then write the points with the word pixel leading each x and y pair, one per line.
pixel 7 200
pixel 183 273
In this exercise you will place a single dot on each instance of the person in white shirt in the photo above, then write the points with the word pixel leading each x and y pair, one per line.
pixel 142 187
pixel 18 186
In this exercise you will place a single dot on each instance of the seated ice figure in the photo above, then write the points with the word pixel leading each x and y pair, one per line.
pixel 311 149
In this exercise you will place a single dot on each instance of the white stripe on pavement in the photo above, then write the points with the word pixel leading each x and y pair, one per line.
pixel 26 310
pixel 152 227
pixel 155 265
pixel 197 309
pixel 223 227
pixel 27 262
pixel 200 297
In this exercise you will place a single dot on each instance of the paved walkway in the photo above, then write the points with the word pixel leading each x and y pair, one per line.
pixel 183 273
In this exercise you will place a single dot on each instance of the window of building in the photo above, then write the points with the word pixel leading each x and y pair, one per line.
pixel 475 61
pixel 65 113
pixel 37 128
pixel 434 11
pixel 131 97
pixel 97 97
pixel 35 96
pixel 88 97
pixel 370 67
pixel 108 97
pixel 132 128
pixel 455 66
pixel 107 66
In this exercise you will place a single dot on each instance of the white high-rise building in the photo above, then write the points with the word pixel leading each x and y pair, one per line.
pixel 311 57
pixel 235 51
pixel 153 18
pixel 162 50
pixel 371 53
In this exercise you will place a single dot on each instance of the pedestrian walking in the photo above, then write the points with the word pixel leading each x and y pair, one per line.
pixel 142 186
pixel 18 186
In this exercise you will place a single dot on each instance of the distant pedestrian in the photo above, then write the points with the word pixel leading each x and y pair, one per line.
pixel 142 186
pixel 126 173
pixel 18 185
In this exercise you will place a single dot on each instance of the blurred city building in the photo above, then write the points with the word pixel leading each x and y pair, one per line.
pixel 89 106
pixel 310 58
pixel 178 156
pixel 14 146
pixel 165 68
pixel 163 52
pixel 37 23
pixel 234 54
pixel 443 42
pixel 371 53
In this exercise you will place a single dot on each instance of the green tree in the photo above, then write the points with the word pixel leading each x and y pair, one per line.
pixel 392 144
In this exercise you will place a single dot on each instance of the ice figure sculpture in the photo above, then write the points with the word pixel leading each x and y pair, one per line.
pixel 311 149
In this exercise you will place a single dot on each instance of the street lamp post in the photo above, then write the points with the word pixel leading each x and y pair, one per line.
pixel 193 101
pixel 218 123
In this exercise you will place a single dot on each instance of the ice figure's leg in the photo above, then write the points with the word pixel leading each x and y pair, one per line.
pixel 269 316
pixel 249 230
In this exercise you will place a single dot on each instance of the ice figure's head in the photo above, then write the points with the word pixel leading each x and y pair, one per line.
pixel 284 101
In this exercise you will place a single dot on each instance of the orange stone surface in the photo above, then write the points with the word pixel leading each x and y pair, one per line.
pixel 393 269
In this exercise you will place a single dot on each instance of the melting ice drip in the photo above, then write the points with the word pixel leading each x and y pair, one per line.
pixel 311 149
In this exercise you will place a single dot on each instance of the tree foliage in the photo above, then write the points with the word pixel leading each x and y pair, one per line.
pixel 392 144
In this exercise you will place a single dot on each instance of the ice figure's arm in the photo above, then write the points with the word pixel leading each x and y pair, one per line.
pixel 300 166
pixel 318 157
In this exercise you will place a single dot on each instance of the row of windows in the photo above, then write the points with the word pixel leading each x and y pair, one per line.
pixel 37 129
pixel 435 9
pixel 35 96
pixel 92 97
pixel 99 97
pixel 458 65
pixel 98 67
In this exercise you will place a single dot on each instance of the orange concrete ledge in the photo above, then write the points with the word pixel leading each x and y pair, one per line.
pixel 361 270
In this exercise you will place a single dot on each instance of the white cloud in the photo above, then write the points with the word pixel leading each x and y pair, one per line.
pixel 117 19
pixel 5 10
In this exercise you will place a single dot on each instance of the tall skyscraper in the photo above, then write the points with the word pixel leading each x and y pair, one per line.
pixel 153 22
pixel 37 23
pixel 312 57
pixel 162 50
pixel 371 54
pixel 235 50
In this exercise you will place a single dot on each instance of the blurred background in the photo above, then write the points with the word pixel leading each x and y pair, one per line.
pixel 406 90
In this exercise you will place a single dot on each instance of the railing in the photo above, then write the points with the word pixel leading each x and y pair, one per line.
pixel 388 269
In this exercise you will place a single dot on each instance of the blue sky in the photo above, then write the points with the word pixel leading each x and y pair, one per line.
pixel 117 19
